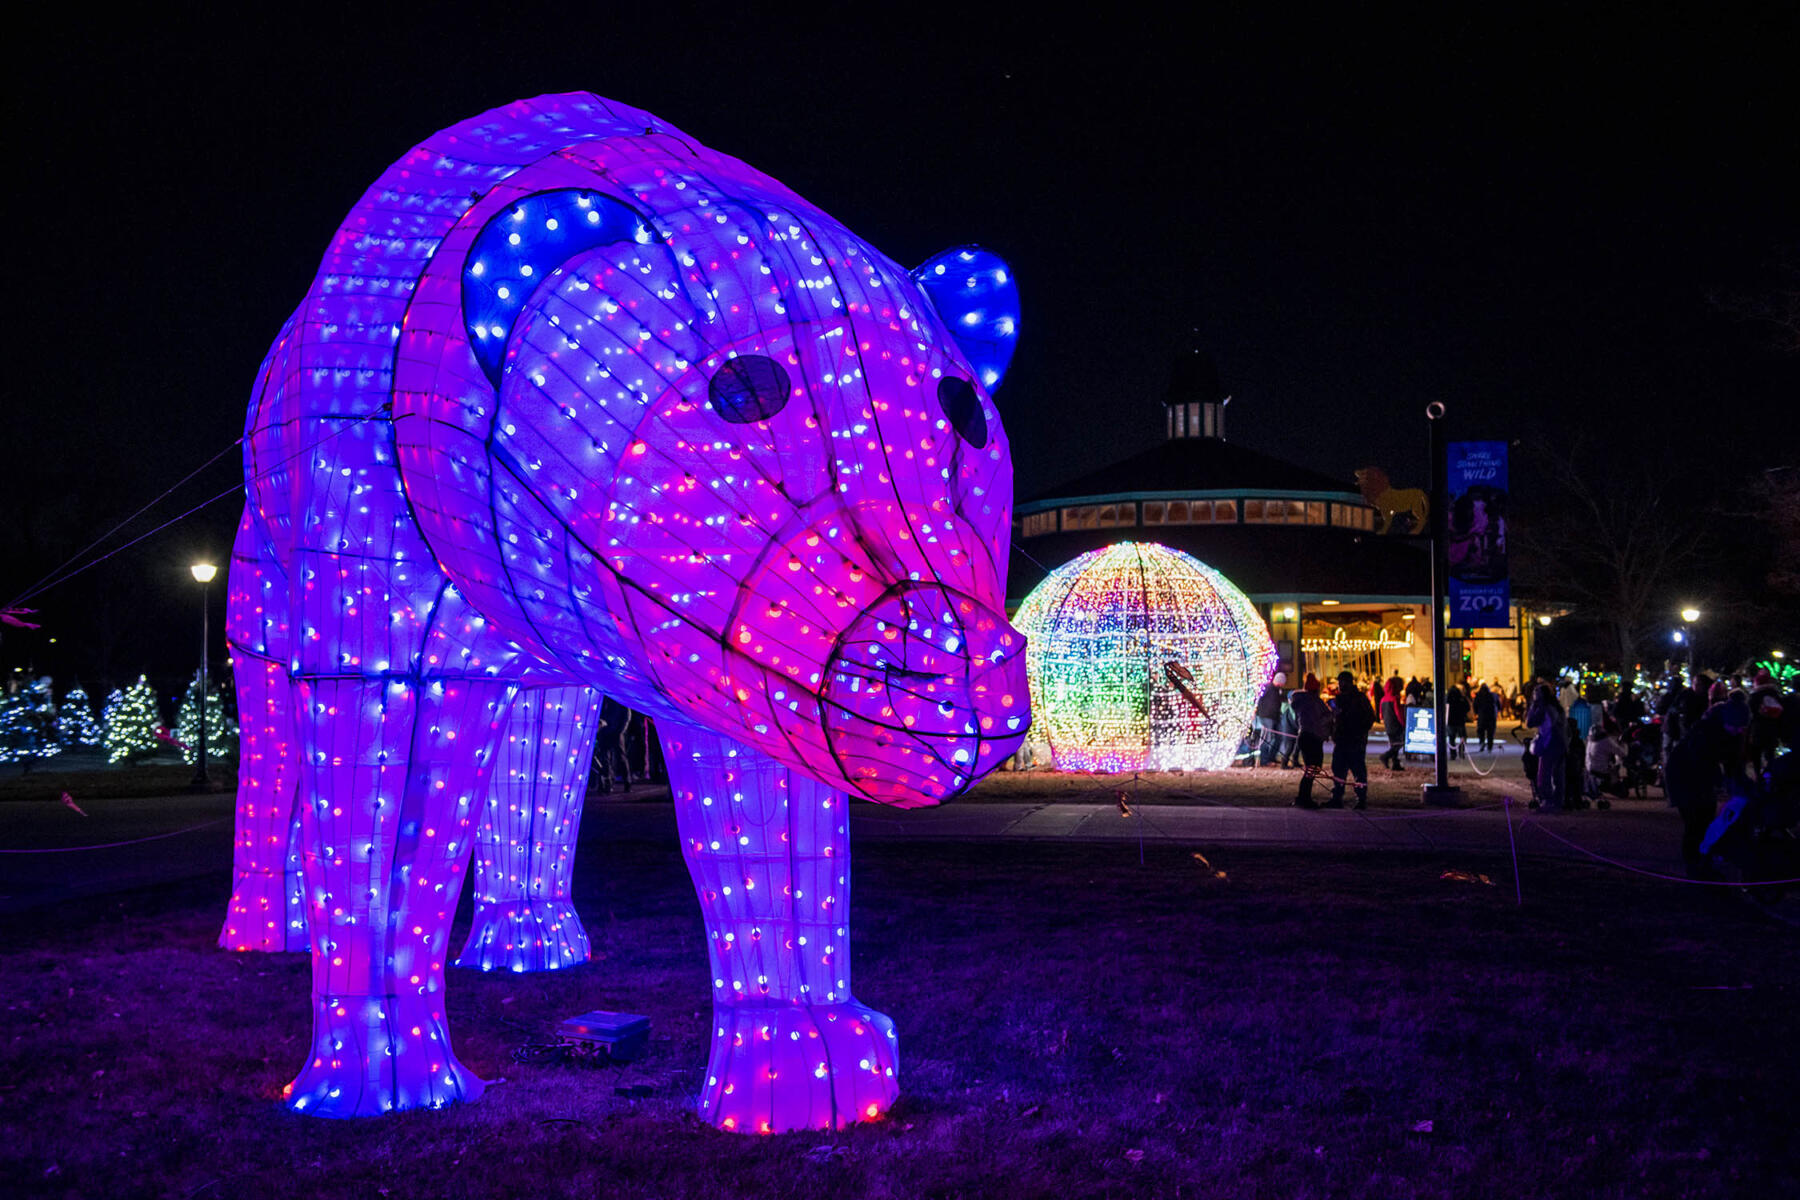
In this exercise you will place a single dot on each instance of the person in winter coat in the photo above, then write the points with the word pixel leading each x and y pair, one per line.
pixel 1546 717
pixel 1456 719
pixel 1710 756
pixel 1605 759
pixel 1393 720
pixel 1268 719
pixel 1486 707
pixel 1575 788
pixel 615 726
pixel 1765 721
pixel 1313 716
pixel 1352 718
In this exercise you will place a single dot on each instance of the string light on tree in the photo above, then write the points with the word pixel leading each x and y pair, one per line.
pixel 221 734
pixel 1142 658
pixel 76 726
pixel 28 724
pixel 131 722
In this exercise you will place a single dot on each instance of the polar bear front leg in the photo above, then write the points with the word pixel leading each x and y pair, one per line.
pixel 392 772
pixel 769 851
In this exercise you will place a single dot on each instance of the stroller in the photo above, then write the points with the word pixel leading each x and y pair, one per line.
pixel 1643 760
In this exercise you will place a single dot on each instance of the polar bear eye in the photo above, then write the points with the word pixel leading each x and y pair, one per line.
pixel 749 388
pixel 963 408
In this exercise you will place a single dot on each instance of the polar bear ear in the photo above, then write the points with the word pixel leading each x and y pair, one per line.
pixel 973 291
pixel 521 246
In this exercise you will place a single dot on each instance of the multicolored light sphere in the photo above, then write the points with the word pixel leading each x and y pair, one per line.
pixel 1141 658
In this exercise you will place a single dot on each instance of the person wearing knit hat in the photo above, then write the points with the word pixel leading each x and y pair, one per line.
pixel 1289 727
pixel 1352 717
pixel 1312 720
pixel 1268 720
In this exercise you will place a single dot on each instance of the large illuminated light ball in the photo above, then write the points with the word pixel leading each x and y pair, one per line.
pixel 1141 658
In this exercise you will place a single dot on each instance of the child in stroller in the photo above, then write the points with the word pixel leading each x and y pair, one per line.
pixel 1604 775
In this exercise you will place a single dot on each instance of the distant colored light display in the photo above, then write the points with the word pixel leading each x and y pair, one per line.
pixel 1142 658
pixel 578 405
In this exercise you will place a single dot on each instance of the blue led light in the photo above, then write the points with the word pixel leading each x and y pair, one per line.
pixel 974 293
pixel 520 246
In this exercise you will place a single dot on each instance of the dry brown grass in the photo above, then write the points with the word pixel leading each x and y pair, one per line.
pixel 1072 1024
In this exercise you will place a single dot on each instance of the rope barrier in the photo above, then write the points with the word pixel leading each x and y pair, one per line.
pixel 155 837
pixel 53 579
pixel 39 586
pixel 1513 843
pixel 1612 862
pixel 1479 773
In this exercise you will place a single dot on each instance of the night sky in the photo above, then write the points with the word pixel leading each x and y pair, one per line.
pixel 1519 217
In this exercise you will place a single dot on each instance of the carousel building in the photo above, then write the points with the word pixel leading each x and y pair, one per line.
pixel 1304 546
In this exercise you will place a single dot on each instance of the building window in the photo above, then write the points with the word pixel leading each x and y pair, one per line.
pixel 1180 512
pixel 1040 523
pixel 1098 516
pixel 1115 516
pixel 1284 512
pixel 1085 517
pixel 1224 512
pixel 1352 516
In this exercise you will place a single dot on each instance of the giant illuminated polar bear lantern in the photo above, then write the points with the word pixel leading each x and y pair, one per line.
pixel 575 404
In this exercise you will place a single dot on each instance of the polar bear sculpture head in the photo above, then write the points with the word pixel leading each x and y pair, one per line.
pixel 686 437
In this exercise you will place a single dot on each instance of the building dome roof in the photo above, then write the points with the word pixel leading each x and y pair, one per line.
pixel 1191 467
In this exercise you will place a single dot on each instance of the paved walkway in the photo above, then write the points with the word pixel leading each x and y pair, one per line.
pixel 126 844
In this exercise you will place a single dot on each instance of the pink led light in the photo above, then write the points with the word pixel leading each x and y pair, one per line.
pixel 576 403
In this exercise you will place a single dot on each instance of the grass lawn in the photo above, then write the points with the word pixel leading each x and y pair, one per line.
pixel 1071 1024
pixel 87 777
pixel 1246 787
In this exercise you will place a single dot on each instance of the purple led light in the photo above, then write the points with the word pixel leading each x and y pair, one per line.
pixel 716 457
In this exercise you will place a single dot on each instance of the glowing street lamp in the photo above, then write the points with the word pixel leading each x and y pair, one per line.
pixel 203 574
pixel 1690 614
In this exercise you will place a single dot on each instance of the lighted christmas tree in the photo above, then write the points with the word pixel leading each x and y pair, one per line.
pixel 130 723
pixel 75 723
pixel 28 725
pixel 14 714
pixel 221 734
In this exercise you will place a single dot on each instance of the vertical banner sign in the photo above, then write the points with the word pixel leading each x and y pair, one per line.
pixel 1475 485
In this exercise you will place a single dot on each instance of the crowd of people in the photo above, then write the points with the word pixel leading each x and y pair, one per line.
pixel 1717 748
pixel 1485 703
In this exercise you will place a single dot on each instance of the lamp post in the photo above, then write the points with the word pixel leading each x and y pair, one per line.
pixel 1439 791
pixel 1689 615
pixel 203 574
